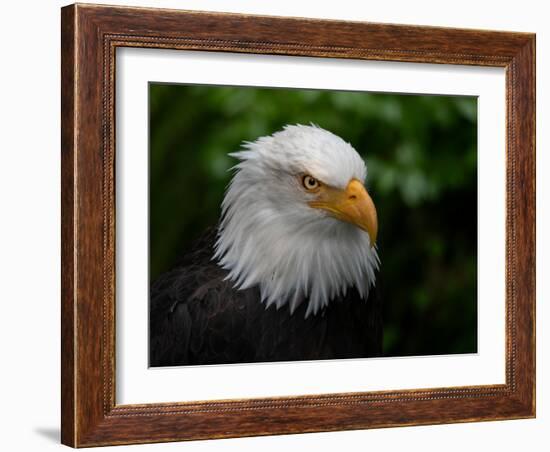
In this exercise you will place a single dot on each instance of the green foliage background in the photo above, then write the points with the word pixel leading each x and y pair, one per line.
pixel 421 154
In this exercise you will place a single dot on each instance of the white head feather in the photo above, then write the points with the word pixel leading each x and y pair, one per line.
pixel 271 238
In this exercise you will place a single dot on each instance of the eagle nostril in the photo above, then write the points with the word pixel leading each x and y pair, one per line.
pixel 352 197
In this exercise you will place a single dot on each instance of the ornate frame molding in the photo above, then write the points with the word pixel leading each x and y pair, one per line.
pixel 90 36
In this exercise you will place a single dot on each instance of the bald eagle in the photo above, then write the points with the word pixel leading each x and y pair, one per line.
pixel 289 271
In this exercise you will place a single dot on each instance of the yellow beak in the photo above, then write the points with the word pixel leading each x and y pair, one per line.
pixel 353 205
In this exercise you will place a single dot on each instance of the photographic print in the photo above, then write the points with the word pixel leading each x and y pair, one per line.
pixel 253 207
pixel 299 224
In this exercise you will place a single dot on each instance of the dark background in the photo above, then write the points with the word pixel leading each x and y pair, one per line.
pixel 421 155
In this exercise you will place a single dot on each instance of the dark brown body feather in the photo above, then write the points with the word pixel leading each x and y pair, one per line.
pixel 196 317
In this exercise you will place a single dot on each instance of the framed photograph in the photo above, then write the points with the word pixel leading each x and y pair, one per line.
pixel 281 225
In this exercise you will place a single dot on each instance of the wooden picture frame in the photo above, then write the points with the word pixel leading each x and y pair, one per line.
pixel 90 36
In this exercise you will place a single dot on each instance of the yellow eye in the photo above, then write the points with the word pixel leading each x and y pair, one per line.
pixel 310 183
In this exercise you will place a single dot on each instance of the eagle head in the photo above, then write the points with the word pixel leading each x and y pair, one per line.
pixel 297 220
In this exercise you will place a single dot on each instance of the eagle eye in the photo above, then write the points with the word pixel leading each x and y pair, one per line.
pixel 310 183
